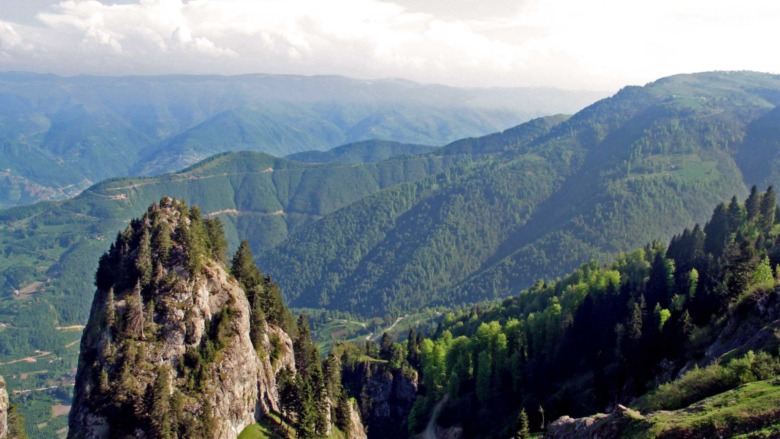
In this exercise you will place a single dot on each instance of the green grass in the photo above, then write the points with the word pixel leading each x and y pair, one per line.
pixel 257 431
pixel 752 408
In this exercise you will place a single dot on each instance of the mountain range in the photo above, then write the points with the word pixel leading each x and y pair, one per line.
pixel 59 135
pixel 479 218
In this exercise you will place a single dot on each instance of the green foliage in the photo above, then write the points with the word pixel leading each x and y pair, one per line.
pixel 523 426
pixel 640 165
pixel 369 151
pixel 605 332
pixel 700 383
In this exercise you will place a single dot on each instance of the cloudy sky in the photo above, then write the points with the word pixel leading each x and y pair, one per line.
pixel 597 44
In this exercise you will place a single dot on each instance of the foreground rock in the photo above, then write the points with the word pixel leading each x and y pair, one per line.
pixel 600 426
pixel 167 351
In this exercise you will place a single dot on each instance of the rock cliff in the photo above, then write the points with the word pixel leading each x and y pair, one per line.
pixel 385 399
pixel 168 350
pixel 3 410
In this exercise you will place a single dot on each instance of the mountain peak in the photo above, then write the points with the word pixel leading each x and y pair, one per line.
pixel 172 348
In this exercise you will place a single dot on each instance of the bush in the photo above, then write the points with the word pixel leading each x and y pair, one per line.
pixel 700 383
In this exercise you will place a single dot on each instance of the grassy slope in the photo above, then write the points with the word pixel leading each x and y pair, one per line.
pixel 752 408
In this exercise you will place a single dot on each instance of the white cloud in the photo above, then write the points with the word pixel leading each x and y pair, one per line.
pixel 569 43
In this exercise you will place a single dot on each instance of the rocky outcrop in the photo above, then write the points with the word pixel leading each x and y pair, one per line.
pixel 3 409
pixel 167 351
pixel 385 400
pixel 600 426
pixel 753 326
pixel 356 430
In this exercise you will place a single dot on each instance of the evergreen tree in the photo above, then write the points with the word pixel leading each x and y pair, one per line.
pixel 768 209
pixel 483 376
pixel 244 269
pixel 143 260
pixel 256 321
pixel 110 308
pixel 717 231
pixel 753 204
pixel 386 347
pixel 134 315
pixel 159 408
pixel 161 240
pixel 217 241
pixel 523 426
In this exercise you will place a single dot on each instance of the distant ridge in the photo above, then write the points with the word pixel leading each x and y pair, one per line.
pixel 61 134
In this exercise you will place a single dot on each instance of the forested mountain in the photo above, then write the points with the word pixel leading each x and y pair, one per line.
pixel 49 249
pixel 659 328
pixel 627 170
pixel 59 135
pixel 368 151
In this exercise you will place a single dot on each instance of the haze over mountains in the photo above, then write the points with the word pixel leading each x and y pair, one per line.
pixel 61 134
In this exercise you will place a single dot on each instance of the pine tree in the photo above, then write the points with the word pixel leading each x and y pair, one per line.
pixel 306 355
pixel 159 405
pixel 717 231
pixel 243 267
pixel 161 240
pixel 257 318
pixel 134 315
pixel 768 209
pixel 143 260
pixel 483 376
pixel 216 234
pixel 386 347
pixel 753 204
pixel 523 426
pixel 110 309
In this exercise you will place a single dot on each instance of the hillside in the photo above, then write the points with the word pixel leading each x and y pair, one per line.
pixel 368 151
pixel 50 248
pixel 627 170
pixel 59 135
pixel 677 333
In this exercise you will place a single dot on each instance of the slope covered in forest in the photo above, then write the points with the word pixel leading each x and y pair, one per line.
pixel 361 152
pixel 627 170
pixel 658 329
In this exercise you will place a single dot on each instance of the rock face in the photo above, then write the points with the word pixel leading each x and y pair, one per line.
pixel 753 326
pixel 356 429
pixel 598 426
pixel 167 351
pixel 385 400
pixel 3 410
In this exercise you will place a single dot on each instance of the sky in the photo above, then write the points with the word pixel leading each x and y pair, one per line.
pixel 571 44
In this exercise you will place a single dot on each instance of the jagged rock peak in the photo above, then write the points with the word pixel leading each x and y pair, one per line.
pixel 172 347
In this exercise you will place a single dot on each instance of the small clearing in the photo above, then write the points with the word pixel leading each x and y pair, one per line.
pixel 31 359
pixel 28 290
pixel 60 410
pixel 70 328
